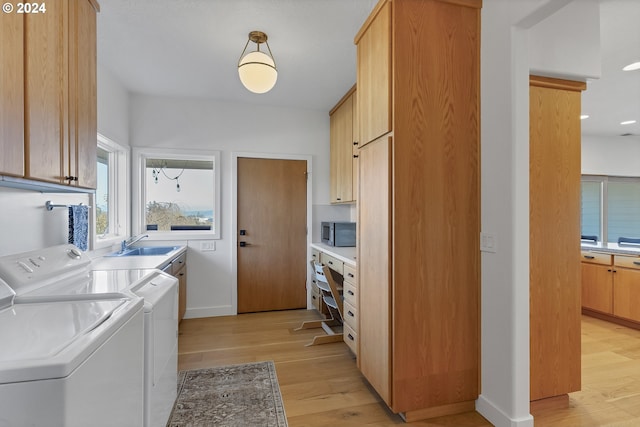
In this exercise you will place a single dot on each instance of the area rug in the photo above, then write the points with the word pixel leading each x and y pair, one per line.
pixel 229 396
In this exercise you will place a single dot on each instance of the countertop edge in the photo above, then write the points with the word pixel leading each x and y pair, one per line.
pixel 344 254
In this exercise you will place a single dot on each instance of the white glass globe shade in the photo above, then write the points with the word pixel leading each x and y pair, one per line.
pixel 257 72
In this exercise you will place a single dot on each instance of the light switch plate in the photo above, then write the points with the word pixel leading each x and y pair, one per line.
pixel 208 246
pixel 488 242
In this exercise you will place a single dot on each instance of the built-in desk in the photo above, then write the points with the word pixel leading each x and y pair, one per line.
pixel 341 260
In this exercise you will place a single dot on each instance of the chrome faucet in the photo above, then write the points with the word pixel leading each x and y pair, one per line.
pixel 127 243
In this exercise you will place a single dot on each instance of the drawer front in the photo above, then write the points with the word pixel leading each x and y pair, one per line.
pixel 315 300
pixel 351 338
pixel 315 255
pixel 350 294
pixel 350 314
pixel 333 263
pixel 596 257
pixel 178 263
pixel 350 274
pixel 627 261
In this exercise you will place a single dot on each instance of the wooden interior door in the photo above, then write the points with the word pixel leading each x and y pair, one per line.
pixel 272 234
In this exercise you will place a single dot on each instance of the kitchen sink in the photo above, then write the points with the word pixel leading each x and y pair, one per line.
pixel 146 250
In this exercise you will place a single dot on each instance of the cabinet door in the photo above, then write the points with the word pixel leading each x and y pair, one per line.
pixel 341 134
pixel 374 252
pixel 626 293
pixel 46 92
pixel 354 145
pixel 597 287
pixel 554 216
pixel 181 275
pixel 83 94
pixel 12 95
pixel 374 76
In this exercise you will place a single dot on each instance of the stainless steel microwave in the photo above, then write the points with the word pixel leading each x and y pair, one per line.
pixel 339 233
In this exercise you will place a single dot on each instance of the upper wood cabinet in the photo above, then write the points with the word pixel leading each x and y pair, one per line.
pixel 343 139
pixel 374 74
pixel 554 217
pixel 54 119
pixel 12 95
pixel 419 205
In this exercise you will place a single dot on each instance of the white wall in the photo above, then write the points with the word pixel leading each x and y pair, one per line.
pixel 26 225
pixel 510 48
pixel 614 156
pixel 113 107
pixel 565 44
pixel 24 222
pixel 191 123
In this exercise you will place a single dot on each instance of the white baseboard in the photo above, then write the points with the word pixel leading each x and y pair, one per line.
pixel 491 412
pixel 196 313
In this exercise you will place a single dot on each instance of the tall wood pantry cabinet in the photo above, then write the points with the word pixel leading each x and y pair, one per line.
pixel 554 241
pixel 419 204
pixel 49 97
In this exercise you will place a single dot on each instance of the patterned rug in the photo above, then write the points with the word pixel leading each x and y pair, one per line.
pixel 229 396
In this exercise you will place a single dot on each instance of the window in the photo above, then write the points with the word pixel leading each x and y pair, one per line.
pixel 610 207
pixel 178 194
pixel 112 194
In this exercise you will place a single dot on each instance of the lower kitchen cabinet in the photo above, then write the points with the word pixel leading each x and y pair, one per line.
pixel 597 286
pixel 626 289
pixel 178 269
pixel 611 287
pixel 343 269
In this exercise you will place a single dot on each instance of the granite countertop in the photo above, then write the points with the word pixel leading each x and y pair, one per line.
pixel 135 262
pixel 344 254
pixel 611 248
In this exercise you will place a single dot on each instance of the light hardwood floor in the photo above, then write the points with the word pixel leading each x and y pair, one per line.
pixel 321 385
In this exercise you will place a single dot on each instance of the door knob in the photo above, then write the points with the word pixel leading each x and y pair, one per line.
pixel 243 244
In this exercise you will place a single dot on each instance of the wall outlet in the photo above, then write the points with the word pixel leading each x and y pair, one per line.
pixel 208 246
pixel 488 242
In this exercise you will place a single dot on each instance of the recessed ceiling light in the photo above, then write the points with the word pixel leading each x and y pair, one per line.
pixel 632 67
pixel 584 116
pixel 628 122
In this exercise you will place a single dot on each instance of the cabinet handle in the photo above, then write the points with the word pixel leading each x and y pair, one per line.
pixel 589 256
pixel 70 178
pixel 350 292
pixel 330 262
pixel 636 262
pixel 351 337
pixel 351 275
pixel 355 142
pixel 181 274
pixel 608 269
pixel 355 156
pixel 350 313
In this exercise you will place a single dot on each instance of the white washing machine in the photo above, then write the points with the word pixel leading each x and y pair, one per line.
pixel 160 293
pixel 74 360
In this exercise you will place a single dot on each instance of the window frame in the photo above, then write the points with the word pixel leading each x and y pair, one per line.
pixel 140 155
pixel 118 164
pixel 604 181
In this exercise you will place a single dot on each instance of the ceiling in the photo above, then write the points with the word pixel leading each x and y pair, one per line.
pixel 191 48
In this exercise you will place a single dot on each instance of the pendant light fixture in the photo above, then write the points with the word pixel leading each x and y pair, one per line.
pixel 256 69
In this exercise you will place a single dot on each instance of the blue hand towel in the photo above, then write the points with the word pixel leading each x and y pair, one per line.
pixel 79 226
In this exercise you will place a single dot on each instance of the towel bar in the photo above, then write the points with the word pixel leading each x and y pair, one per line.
pixel 50 205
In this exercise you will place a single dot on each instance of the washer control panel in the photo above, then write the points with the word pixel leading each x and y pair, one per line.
pixel 27 271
